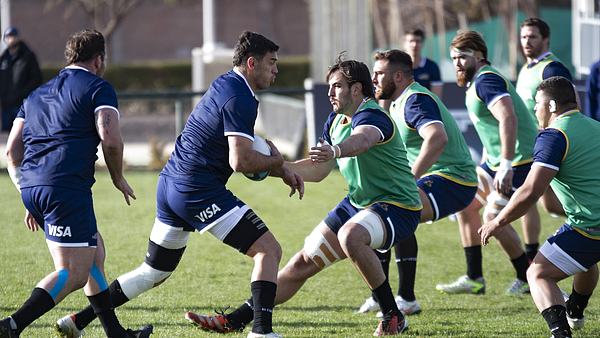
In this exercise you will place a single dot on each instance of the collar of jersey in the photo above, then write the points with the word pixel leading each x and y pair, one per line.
pixel 474 76
pixel 235 70
pixel 76 67
pixel 536 61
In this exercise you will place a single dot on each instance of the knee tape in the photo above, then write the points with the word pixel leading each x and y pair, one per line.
pixel 98 277
pixel 485 187
pixel 140 280
pixel 374 225
pixel 61 281
pixel 167 236
pixel 496 203
pixel 319 250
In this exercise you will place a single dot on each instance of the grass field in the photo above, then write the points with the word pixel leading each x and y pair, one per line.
pixel 212 275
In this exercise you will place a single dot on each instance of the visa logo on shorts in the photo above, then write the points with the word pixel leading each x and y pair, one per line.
pixel 208 213
pixel 59 231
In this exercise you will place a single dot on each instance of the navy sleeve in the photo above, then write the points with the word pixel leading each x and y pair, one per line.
pixel 375 118
pixel 556 68
pixel 421 109
pixel 327 127
pixel 239 116
pixel 593 92
pixel 104 95
pixel 550 148
pixel 488 86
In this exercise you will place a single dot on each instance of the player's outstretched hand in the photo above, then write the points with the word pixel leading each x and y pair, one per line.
pixel 275 152
pixel 323 152
pixel 30 221
pixel 124 187
pixel 489 229
pixel 294 181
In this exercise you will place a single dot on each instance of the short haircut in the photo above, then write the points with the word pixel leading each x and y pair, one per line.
pixel 416 32
pixel 470 39
pixel 251 44
pixel 84 46
pixel 559 89
pixel 540 24
pixel 353 71
pixel 397 60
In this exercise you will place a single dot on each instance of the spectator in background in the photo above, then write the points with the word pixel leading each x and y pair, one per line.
pixel 19 76
pixel 592 98
pixel 425 71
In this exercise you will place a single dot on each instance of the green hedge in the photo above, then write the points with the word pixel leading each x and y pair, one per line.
pixel 161 76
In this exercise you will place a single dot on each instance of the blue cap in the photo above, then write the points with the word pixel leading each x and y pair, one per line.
pixel 10 31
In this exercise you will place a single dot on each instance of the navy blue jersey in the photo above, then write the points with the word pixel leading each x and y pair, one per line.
pixel 59 130
pixel 556 68
pixel 427 74
pixel 490 88
pixel 420 111
pixel 201 155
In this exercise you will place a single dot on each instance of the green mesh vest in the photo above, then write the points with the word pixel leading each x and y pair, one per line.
pixel 577 182
pixel 487 126
pixel 455 162
pixel 529 79
pixel 381 174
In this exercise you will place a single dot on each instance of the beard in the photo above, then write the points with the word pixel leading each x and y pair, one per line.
pixel 386 91
pixel 343 103
pixel 466 77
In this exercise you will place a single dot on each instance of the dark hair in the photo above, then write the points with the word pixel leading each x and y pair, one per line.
pixel 416 32
pixel 540 24
pixel 84 46
pixel 470 39
pixel 353 71
pixel 398 60
pixel 252 44
pixel 559 89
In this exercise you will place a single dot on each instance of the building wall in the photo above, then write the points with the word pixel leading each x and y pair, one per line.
pixel 156 30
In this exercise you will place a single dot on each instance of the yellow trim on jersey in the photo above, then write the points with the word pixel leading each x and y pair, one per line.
pixel 516 164
pixel 489 71
pixel 450 178
pixel 392 203
pixel 567 140
pixel 417 92
pixel 586 234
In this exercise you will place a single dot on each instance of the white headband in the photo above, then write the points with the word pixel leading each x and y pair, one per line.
pixel 454 52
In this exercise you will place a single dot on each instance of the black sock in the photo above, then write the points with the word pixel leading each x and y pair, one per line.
pixel 384 259
pixel 406 260
pixel 242 316
pixel 87 315
pixel 38 303
pixel 556 317
pixel 531 250
pixel 474 261
pixel 105 312
pixel 521 264
pixel 384 296
pixel 576 304
pixel 263 295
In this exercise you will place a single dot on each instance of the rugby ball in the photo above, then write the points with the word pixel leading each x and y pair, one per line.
pixel 262 147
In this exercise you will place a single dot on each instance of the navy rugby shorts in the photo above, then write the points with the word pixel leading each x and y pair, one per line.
pixel 401 223
pixel 192 208
pixel 519 176
pixel 582 248
pixel 445 196
pixel 67 215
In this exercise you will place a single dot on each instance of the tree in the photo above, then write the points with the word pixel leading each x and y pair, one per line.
pixel 105 14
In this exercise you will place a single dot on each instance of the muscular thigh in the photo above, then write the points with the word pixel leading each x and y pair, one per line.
pixel 443 197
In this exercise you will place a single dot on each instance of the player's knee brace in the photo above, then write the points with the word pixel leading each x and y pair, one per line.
pixel 373 224
pixel 495 203
pixel 159 265
pixel 319 250
pixel 61 281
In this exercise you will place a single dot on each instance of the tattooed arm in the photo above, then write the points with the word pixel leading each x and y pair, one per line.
pixel 107 125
